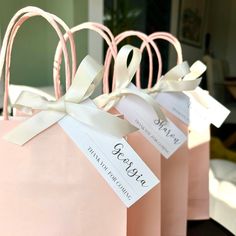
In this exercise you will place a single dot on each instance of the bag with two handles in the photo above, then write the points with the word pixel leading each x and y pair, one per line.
pixel 48 186
pixel 198 158
pixel 143 218
pixel 176 173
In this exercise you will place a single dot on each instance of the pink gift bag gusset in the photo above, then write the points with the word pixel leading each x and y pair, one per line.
pixel 198 192
pixel 48 186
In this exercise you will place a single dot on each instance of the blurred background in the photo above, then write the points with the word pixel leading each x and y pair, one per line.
pixel 205 28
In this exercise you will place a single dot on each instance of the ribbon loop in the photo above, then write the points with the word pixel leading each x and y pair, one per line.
pixel 123 74
pixel 180 78
pixel 87 77
pixel 177 72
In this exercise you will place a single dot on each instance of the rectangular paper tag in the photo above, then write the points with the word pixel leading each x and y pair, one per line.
pixel 186 108
pixel 165 136
pixel 216 112
pixel 114 159
pixel 176 103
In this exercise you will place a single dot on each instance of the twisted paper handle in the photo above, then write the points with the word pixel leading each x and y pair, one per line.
pixel 10 35
pixel 97 27
pixel 145 39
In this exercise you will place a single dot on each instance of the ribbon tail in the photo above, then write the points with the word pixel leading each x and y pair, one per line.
pixel 100 120
pixel 33 126
pixel 177 72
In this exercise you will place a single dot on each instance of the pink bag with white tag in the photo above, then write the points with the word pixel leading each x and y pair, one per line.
pixel 198 190
pixel 198 158
pixel 144 217
pixel 174 175
pixel 47 186
pixel 197 179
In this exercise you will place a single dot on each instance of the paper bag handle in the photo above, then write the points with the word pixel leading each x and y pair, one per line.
pixel 102 30
pixel 72 43
pixel 146 42
pixel 171 39
pixel 8 41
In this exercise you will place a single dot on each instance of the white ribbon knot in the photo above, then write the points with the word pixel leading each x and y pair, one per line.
pixel 180 78
pixel 74 103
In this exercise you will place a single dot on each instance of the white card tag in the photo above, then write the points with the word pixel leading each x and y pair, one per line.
pixel 114 159
pixel 216 113
pixel 186 108
pixel 165 136
pixel 176 103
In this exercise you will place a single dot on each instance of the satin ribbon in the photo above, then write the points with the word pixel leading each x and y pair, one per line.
pixel 180 78
pixel 73 103
pixel 123 76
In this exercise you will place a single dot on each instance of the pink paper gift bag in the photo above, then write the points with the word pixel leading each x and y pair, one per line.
pixel 143 218
pixel 48 187
pixel 174 172
pixel 193 176
pixel 198 156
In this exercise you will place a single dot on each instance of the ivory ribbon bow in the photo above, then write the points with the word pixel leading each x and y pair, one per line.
pixel 180 78
pixel 123 76
pixel 73 103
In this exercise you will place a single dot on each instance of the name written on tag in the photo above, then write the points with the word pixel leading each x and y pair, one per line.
pixel 115 160
pixel 164 135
